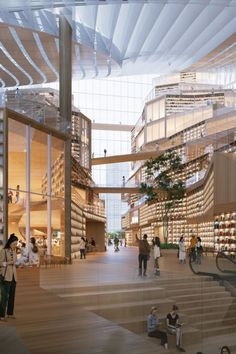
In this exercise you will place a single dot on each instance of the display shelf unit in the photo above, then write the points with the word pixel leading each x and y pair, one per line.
pixel 194 133
pixel 176 230
pixel 78 228
pixel 129 238
pixel 125 221
pixel 200 200
pixel 225 233
pixel 188 101
pixel 57 178
pixel 150 231
pixel 206 232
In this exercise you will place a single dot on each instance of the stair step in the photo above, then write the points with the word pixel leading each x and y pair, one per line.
pixel 131 309
pixel 197 290
pixel 209 308
pixel 208 332
pixel 183 305
pixel 215 323
pixel 188 281
pixel 202 297
pixel 219 313
pixel 112 296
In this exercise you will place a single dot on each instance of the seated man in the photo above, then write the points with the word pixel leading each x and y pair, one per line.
pixel 152 327
pixel 174 327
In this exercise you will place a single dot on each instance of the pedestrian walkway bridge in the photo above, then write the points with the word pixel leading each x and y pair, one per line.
pixel 118 189
pixel 139 156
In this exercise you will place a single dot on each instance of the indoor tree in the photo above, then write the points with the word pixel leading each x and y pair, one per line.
pixel 164 185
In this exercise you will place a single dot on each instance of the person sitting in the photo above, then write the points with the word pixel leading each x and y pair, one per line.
pixel 33 253
pixel 174 327
pixel 23 259
pixel 152 327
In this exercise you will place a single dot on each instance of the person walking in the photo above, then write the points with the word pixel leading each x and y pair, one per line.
pixel 144 252
pixel 8 277
pixel 152 327
pixel 156 254
pixel 182 253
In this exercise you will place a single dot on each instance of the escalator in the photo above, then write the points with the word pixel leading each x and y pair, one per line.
pixel 220 266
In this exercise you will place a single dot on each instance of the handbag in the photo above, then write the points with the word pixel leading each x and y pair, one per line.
pixel 2 277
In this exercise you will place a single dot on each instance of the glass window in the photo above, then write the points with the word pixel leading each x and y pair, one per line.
pixel 38 161
pixel 16 158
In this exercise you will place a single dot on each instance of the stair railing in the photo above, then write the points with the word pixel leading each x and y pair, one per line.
pixel 221 255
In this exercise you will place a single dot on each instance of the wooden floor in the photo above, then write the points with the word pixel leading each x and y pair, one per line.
pixel 49 324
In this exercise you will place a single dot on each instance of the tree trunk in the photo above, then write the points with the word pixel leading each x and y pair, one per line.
pixel 165 227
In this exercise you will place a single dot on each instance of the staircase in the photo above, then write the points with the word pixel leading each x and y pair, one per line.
pixel 205 307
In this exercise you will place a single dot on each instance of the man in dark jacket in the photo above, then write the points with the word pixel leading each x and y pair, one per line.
pixel 144 251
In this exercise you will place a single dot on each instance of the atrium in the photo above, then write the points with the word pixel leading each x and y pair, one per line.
pixel 92 92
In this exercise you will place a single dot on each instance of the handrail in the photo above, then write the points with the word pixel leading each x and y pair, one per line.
pixel 214 275
pixel 221 254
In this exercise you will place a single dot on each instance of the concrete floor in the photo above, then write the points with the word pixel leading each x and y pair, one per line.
pixel 122 267
pixel 48 324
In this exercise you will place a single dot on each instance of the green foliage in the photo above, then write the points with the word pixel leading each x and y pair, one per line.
pixel 161 173
pixel 112 235
pixel 165 246
pixel 162 184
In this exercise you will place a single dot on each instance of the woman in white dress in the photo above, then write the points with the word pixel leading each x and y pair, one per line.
pixel 182 252
pixel 156 254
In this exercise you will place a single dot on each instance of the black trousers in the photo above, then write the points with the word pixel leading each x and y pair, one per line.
pixel 82 253
pixel 159 334
pixel 8 289
pixel 142 261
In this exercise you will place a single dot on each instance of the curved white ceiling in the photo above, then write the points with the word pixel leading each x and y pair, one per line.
pixel 116 37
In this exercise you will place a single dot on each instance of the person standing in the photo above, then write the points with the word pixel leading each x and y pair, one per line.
pixel 82 248
pixel 156 254
pixel 8 274
pixel 10 196
pixel 193 242
pixel 182 253
pixel 152 327
pixel 123 181
pixel 144 251
pixel 198 250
